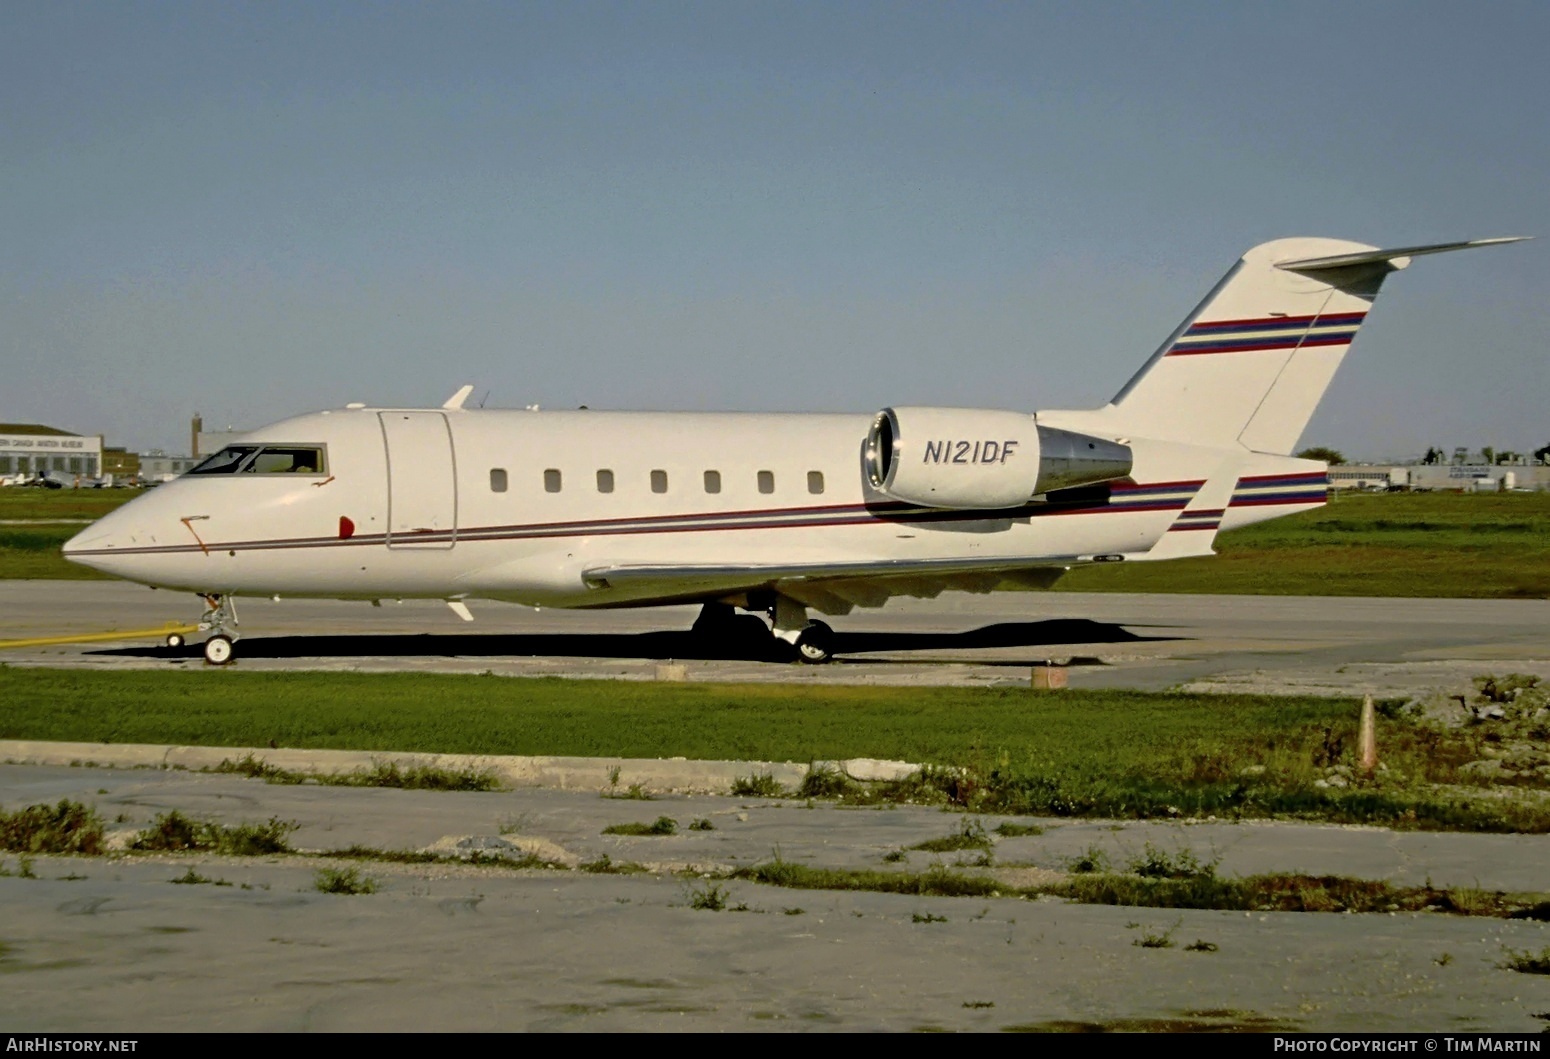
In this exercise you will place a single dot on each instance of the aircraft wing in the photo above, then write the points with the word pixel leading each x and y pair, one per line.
pixel 835 587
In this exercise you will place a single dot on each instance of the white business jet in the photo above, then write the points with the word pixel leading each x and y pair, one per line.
pixel 775 514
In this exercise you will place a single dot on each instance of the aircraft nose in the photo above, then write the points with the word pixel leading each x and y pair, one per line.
pixel 92 547
pixel 101 545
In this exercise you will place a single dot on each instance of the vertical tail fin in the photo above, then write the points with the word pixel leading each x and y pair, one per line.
pixel 1251 363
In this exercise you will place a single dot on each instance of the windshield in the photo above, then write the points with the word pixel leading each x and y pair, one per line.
pixel 266 459
pixel 226 461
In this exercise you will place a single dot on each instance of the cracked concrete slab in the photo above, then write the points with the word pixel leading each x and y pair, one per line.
pixel 111 944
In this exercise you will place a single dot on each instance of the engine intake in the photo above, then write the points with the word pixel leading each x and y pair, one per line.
pixel 972 458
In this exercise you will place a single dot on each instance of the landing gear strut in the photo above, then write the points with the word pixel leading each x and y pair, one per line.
pixel 220 612
pixel 813 640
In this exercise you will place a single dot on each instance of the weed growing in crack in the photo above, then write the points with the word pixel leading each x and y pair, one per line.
pixel 708 897
pixel 606 865
pixel 1528 962
pixel 759 785
pixel 971 835
pixel 1091 861
pixel 1155 863
pixel 68 827
pixel 343 881
pixel 1152 940
pixel 381 774
pixel 633 793
pixel 193 878
pixel 824 780
pixel 663 825
pixel 1009 829
pixel 172 832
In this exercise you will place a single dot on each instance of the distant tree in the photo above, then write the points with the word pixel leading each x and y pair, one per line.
pixel 1433 456
pixel 1542 455
pixel 1319 452
pixel 1506 456
pixel 1487 454
pixel 1461 455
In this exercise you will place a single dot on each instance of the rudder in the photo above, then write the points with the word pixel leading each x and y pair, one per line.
pixel 1250 364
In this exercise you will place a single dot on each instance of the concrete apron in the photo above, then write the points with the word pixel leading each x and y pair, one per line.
pixel 675 775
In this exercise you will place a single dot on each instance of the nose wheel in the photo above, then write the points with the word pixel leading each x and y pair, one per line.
pixel 218 650
pixel 220 621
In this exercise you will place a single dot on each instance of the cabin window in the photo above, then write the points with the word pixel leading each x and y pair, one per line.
pixel 551 481
pixel 766 481
pixel 497 479
pixel 605 481
pixel 659 481
pixel 815 482
pixel 713 481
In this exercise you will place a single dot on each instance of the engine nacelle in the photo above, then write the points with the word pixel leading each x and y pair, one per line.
pixel 971 458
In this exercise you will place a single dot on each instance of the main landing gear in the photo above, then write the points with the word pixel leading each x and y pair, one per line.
pixel 812 641
pixel 220 621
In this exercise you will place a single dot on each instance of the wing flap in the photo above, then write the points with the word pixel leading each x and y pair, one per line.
pixel 837 587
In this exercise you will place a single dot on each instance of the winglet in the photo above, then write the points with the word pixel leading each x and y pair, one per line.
pixel 1397 258
pixel 456 400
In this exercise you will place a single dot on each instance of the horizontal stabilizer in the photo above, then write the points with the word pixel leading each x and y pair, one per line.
pixel 1398 257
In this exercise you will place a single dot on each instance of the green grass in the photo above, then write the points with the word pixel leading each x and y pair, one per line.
pixel 1109 731
pixel 1387 544
pixel 1439 545
pixel 33 551
pixel 44 504
pixel 989 750
pixel 1494 545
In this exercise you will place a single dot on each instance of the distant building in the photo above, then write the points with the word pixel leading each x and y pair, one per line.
pixel 30 448
pixel 1481 477
pixel 1369 476
pixel 120 463
pixel 1471 478
pixel 157 466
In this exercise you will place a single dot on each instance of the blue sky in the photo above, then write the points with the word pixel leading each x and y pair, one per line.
pixel 257 210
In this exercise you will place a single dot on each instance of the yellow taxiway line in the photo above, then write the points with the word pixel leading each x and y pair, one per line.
pixel 100 637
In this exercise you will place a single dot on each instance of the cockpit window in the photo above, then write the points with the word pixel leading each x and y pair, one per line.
pixel 226 461
pixel 267 459
pixel 286 459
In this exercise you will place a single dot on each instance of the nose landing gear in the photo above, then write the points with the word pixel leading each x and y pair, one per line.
pixel 220 621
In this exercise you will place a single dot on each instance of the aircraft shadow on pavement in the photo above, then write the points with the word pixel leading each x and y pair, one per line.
pixel 680 645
